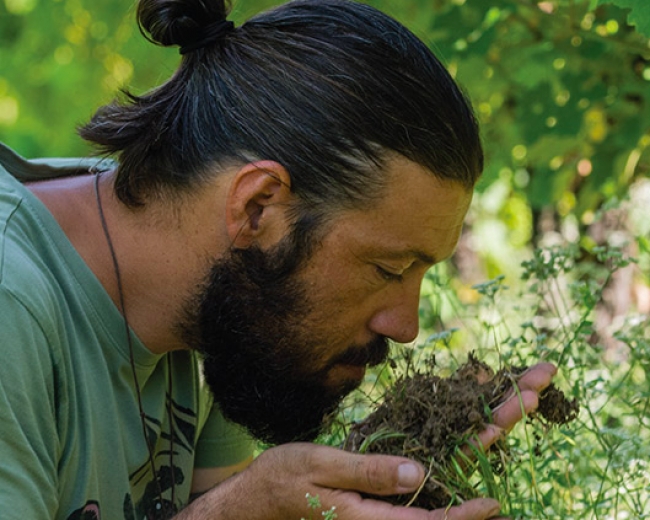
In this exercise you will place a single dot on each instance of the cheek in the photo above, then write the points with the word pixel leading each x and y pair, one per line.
pixel 342 298
pixel 339 322
pixel 341 288
pixel 341 305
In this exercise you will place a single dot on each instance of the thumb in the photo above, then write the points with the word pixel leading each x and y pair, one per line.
pixel 374 474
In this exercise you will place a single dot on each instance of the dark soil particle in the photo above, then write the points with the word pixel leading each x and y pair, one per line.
pixel 426 417
pixel 555 408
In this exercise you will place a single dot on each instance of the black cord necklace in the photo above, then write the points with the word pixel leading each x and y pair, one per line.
pixel 127 328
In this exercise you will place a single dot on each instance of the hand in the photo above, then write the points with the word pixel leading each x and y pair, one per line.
pixel 274 487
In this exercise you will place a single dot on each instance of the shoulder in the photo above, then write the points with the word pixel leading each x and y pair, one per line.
pixel 25 279
pixel 28 295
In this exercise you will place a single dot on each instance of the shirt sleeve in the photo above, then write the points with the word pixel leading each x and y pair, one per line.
pixel 28 433
pixel 221 443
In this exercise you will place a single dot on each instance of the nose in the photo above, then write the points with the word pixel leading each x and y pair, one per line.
pixel 398 319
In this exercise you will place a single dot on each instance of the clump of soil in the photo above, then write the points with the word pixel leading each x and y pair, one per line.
pixel 426 417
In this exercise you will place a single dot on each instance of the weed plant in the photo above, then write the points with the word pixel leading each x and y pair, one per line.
pixel 314 506
pixel 597 467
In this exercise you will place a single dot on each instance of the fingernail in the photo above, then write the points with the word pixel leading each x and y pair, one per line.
pixel 408 476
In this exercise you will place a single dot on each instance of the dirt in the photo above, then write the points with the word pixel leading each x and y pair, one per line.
pixel 426 417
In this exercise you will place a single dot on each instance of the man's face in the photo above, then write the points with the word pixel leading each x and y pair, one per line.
pixel 287 333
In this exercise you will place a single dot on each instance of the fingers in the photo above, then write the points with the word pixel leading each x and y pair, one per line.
pixel 375 474
pixel 530 384
pixel 386 475
pixel 512 410
pixel 537 377
pixel 485 439
pixel 353 506
pixel 338 477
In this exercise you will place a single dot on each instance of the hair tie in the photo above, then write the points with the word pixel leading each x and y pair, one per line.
pixel 207 35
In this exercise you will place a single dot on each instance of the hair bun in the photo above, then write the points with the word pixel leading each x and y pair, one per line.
pixel 179 22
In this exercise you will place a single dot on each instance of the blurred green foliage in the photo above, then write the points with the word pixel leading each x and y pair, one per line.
pixel 560 86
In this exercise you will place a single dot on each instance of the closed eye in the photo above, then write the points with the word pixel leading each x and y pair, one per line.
pixel 388 275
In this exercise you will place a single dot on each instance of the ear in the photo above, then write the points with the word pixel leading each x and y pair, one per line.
pixel 257 203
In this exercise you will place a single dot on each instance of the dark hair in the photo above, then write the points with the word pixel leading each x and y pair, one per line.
pixel 327 88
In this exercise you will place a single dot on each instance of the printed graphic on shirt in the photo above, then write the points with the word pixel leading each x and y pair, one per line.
pixel 153 496
pixel 88 512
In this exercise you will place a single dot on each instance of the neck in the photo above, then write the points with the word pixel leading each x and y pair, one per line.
pixel 161 259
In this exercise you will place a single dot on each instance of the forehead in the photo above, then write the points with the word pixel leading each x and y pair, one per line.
pixel 418 216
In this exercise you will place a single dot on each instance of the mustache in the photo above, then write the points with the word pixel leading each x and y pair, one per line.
pixel 371 354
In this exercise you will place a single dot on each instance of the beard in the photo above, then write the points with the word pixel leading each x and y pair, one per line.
pixel 248 322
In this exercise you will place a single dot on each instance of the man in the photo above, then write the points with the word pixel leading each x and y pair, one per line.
pixel 274 207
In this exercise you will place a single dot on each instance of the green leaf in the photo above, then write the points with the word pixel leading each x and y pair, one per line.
pixel 639 14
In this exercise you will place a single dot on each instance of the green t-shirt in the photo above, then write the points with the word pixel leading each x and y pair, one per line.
pixel 71 438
